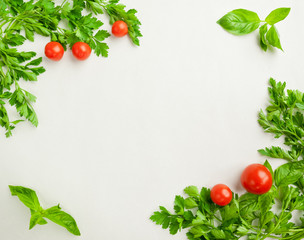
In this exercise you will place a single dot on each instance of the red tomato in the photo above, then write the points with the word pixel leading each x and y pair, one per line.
pixel 81 50
pixel 256 179
pixel 54 51
pixel 119 29
pixel 221 194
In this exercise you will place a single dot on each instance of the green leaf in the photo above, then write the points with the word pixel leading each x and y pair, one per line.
pixel 267 164
pixel 42 31
pixel 35 62
pixel 192 191
pixel 300 106
pixel 66 9
pixel 205 194
pixel 240 21
pixel 101 49
pixel 218 234
pixel 29 34
pixel 230 211
pixel 14 39
pixel 277 15
pixel 30 96
pixel 262 32
pixel 200 219
pixel 27 196
pixel 273 38
pixel 267 217
pixel 248 204
pixel 174 227
pixel 36 218
pixel 161 218
pixel 288 173
pixel 190 203
pixel 276 152
pixel 95 7
pixel 179 205
pixel 102 35
pixel 265 202
pixel 199 231
pixel 63 219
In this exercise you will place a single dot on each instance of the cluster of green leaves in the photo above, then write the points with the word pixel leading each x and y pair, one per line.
pixel 21 20
pixel 249 215
pixel 242 21
pixel 277 214
pixel 284 118
pixel 29 198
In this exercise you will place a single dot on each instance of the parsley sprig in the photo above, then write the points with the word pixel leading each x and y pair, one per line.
pixel 277 214
pixel 20 21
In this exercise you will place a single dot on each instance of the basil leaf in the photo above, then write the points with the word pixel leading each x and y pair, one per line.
pixel 277 15
pixel 288 173
pixel 41 221
pixel 273 38
pixel 240 21
pixel 36 218
pixel 262 32
pixel 63 219
pixel 30 199
pixel 27 196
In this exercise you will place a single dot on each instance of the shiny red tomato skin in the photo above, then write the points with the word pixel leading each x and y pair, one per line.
pixel 221 195
pixel 81 50
pixel 54 51
pixel 256 179
pixel 120 29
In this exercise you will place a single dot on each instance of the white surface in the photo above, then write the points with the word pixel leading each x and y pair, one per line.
pixel 119 136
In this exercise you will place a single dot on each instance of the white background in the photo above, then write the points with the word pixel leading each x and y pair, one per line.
pixel 119 136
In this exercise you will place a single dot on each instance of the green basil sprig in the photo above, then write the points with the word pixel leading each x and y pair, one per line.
pixel 29 198
pixel 242 21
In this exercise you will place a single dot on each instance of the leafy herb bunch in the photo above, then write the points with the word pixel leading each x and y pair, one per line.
pixel 242 21
pixel 277 214
pixel 20 21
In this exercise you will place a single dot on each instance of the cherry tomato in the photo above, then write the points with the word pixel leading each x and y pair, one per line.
pixel 81 50
pixel 256 179
pixel 119 29
pixel 221 194
pixel 54 51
